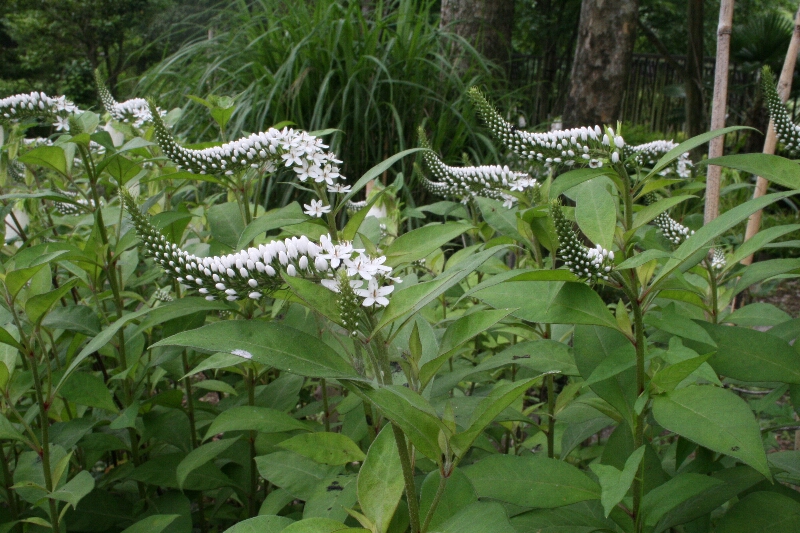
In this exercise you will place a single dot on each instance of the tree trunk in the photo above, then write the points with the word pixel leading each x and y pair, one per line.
pixel 606 35
pixel 695 108
pixel 485 24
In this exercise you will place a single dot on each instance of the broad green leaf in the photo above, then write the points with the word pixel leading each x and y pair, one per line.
pixel 615 483
pixel 225 222
pixel 79 318
pixel 160 470
pixel 421 242
pixel 7 431
pixel 179 308
pixel 573 178
pixel 252 418
pixel 412 299
pixel 458 494
pixel 715 418
pixel 749 355
pixel 320 525
pixel 374 172
pixel 216 386
pixel 200 456
pixel 413 414
pixel 152 524
pixel 758 314
pixel 75 489
pixel 51 157
pixel 664 498
pixel 214 362
pixel 294 473
pixel 38 305
pixel 16 279
pixel 762 270
pixel 642 258
pixel 582 517
pixel 261 524
pixel 762 511
pixel 479 517
pixel 380 480
pixel 7 338
pixel 670 377
pixel 333 498
pixel 350 229
pixel 469 326
pixel 706 235
pixel 758 241
pixel 531 481
pixel 269 343
pixel 502 219
pixel 773 168
pixel 502 396
pixel 596 212
pixel 274 219
pixel 87 389
pixel 687 146
pixel 326 448
pixel 314 296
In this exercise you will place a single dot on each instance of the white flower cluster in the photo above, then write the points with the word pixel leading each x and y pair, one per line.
pixel 582 146
pixel 255 272
pixel 787 131
pixel 297 149
pixel 135 110
pixel 718 261
pixel 37 104
pixel 672 229
pixel 72 208
pixel 590 263
pixel 648 154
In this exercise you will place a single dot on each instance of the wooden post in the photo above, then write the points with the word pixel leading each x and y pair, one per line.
pixel 784 88
pixel 719 107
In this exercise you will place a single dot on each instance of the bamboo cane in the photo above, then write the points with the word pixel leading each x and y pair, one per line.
pixel 719 106
pixel 784 88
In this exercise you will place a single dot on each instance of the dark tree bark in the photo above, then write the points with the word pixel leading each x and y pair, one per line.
pixel 695 107
pixel 485 24
pixel 606 36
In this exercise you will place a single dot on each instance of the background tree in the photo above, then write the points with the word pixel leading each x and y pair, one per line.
pixel 485 24
pixel 602 59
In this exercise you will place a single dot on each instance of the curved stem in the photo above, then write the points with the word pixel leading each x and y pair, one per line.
pixel 435 503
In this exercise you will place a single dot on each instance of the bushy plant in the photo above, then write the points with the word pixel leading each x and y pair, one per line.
pixel 561 354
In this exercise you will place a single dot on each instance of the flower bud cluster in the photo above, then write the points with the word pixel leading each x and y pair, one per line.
pixel 673 230
pixel 73 208
pixel 135 110
pixel 718 261
pixel 255 272
pixel 787 131
pixel 589 263
pixel 648 154
pixel 16 170
pixel 297 149
pixel 35 104
pixel 162 295
pixel 582 146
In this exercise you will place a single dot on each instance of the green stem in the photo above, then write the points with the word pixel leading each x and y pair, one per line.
pixel 435 503
pixel 250 381
pixel 11 496
pixel 325 408
pixel 408 477
pixel 193 430
pixel 712 277
pixel 44 451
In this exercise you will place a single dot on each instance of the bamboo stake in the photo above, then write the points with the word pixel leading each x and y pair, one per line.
pixel 719 106
pixel 784 88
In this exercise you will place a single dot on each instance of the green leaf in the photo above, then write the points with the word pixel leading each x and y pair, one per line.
pixel 762 511
pixel 773 168
pixel 314 296
pixel 16 279
pixel 615 483
pixel 500 218
pixel 225 222
pixel 650 212
pixel 642 258
pixel 179 308
pixel 51 157
pixel 758 314
pixel 214 362
pixel 121 168
pixel 573 178
pixel 350 229
pixel 596 212
pixel 488 409
pixel 687 146
pixel 664 498
pixel 669 378
pixel 374 172
pixel 715 418
pixel 531 481
pixel 200 456
pixel 273 219
pixel 87 389
pixel 38 305
pixel 380 480
pixel 758 241
pixel 706 235
pixel 79 318
pixel 479 517
pixel 420 242
pixel 762 270
pixel 750 355
pixel 252 418
pixel 261 524
pixel 326 448
pixel 6 338
pixel 7 431
pixel 320 525
pixel 294 473
pixel 458 494
pixel 269 343
pixel 75 489
pixel 412 299
pixel 152 524
pixel 413 414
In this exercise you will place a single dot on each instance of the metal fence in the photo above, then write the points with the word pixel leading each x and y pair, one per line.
pixel 654 97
